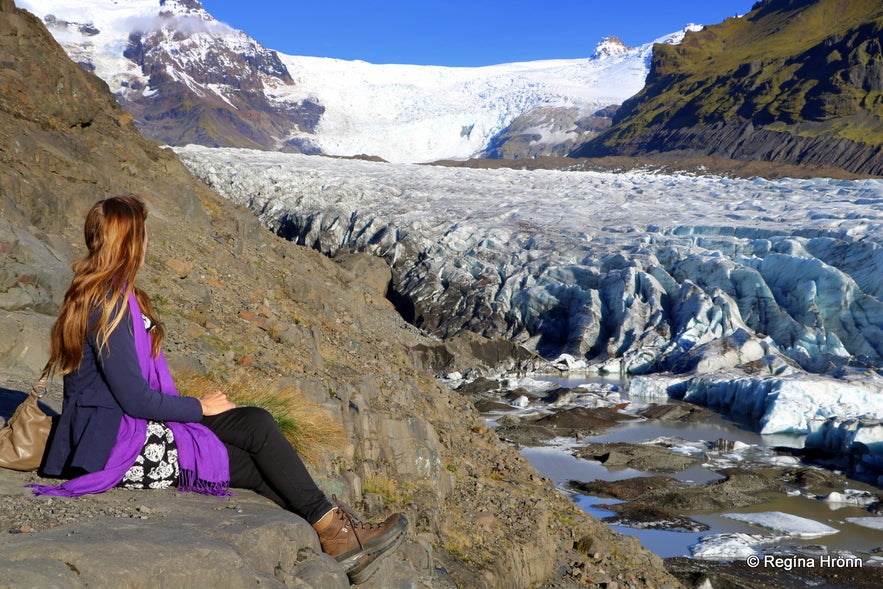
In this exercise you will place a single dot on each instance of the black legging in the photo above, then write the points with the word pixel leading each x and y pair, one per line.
pixel 262 459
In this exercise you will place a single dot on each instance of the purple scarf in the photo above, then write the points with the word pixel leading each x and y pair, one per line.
pixel 202 459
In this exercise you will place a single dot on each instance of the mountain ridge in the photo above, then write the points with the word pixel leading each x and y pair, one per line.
pixel 188 78
pixel 796 82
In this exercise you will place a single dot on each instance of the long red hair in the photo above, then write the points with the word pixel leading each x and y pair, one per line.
pixel 116 236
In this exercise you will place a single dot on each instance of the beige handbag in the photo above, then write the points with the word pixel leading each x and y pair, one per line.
pixel 23 438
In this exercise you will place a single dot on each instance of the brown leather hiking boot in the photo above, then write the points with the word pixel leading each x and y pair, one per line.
pixel 357 546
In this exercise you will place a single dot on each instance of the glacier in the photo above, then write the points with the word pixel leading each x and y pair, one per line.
pixel 405 113
pixel 759 297
pixel 398 112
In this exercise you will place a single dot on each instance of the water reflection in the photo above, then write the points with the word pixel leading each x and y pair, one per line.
pixel 560 466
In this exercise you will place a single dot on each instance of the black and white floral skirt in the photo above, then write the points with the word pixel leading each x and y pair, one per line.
pixel 157 464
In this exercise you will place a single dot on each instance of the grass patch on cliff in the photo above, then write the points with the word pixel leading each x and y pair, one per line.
pixel 309 428
pixel 751 68
pixel 467 543
pixel 383 486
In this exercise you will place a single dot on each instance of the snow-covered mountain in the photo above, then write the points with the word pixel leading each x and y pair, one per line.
pixel 188 78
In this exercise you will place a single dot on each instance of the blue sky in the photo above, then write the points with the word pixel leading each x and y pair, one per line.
pixel 461 32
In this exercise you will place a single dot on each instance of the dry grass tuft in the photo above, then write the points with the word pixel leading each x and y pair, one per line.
pixel 465 541
pixel 385 487
pixel 305 424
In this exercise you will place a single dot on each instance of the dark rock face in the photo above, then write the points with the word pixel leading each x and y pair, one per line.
pixel 472 355
pixel 522 139
pixel 206 89
pixel 789 82
pixel 219 65
pixel 741 140
pixel 191 4
pixel 178 113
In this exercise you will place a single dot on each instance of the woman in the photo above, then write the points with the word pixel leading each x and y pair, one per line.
pixel 123 423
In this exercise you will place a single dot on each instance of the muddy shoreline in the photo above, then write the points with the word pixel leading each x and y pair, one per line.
pixel 743 475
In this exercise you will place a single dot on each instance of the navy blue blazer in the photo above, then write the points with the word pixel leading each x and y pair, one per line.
pixel 98 393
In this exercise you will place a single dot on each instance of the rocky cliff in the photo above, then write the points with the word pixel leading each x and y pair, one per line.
pixel 239 301
pixel 793 81
pixel 548 131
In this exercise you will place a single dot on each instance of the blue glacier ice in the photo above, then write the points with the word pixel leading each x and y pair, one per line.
pixel 760 297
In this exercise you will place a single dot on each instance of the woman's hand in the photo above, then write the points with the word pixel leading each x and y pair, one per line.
pixel 214 403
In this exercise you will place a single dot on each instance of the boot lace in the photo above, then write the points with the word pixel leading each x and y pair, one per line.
pixel 355 522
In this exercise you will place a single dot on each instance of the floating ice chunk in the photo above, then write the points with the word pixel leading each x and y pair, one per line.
pixel 784 460
pixel 687 450
pixel 875 523
pixel 739 446
pixel 850 497
pixel 530 384
pixel 784 523
pixel 718 464
pixel 678 445
pixel 601 388
pixel 733 546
